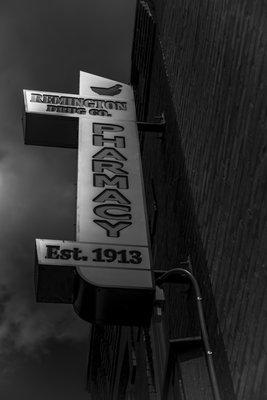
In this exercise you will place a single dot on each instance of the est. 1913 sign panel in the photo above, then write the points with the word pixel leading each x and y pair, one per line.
pixel 106 273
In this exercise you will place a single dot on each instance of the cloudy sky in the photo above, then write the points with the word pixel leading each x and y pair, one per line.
pixel 43 45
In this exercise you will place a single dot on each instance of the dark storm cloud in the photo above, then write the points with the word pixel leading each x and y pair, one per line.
pixel 43 46
pixel 24 188
pixel 57 38
pixel 2 155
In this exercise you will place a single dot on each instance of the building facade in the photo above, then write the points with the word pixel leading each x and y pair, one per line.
pixel 200 65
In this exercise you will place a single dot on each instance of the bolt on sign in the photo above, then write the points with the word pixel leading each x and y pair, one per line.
pixel 106 273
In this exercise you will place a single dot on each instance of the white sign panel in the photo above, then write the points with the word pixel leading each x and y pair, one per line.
pixel 110 199
pixel 97 87
pixel 67 253
pixel 73 105
pixel 110 203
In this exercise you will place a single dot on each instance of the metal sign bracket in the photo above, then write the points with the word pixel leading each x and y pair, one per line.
pixel 183 276
pixel 153 127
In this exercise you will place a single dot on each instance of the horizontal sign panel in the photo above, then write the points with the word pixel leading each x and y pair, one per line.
pixel 79 106
pixel 68 253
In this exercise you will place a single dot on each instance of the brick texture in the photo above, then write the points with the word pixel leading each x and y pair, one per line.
pixel 102 361
pixel 205 179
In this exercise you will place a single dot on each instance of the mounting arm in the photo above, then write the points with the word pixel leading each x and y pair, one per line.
pixel 182 275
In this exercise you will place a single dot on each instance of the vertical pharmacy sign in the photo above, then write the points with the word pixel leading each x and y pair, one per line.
pixel 106 272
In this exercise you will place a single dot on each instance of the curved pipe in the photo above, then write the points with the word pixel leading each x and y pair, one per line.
pixel 208 352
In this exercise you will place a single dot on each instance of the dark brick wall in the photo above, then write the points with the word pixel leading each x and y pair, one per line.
pixel 202 64
pixel 103 357
pixel 205 180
